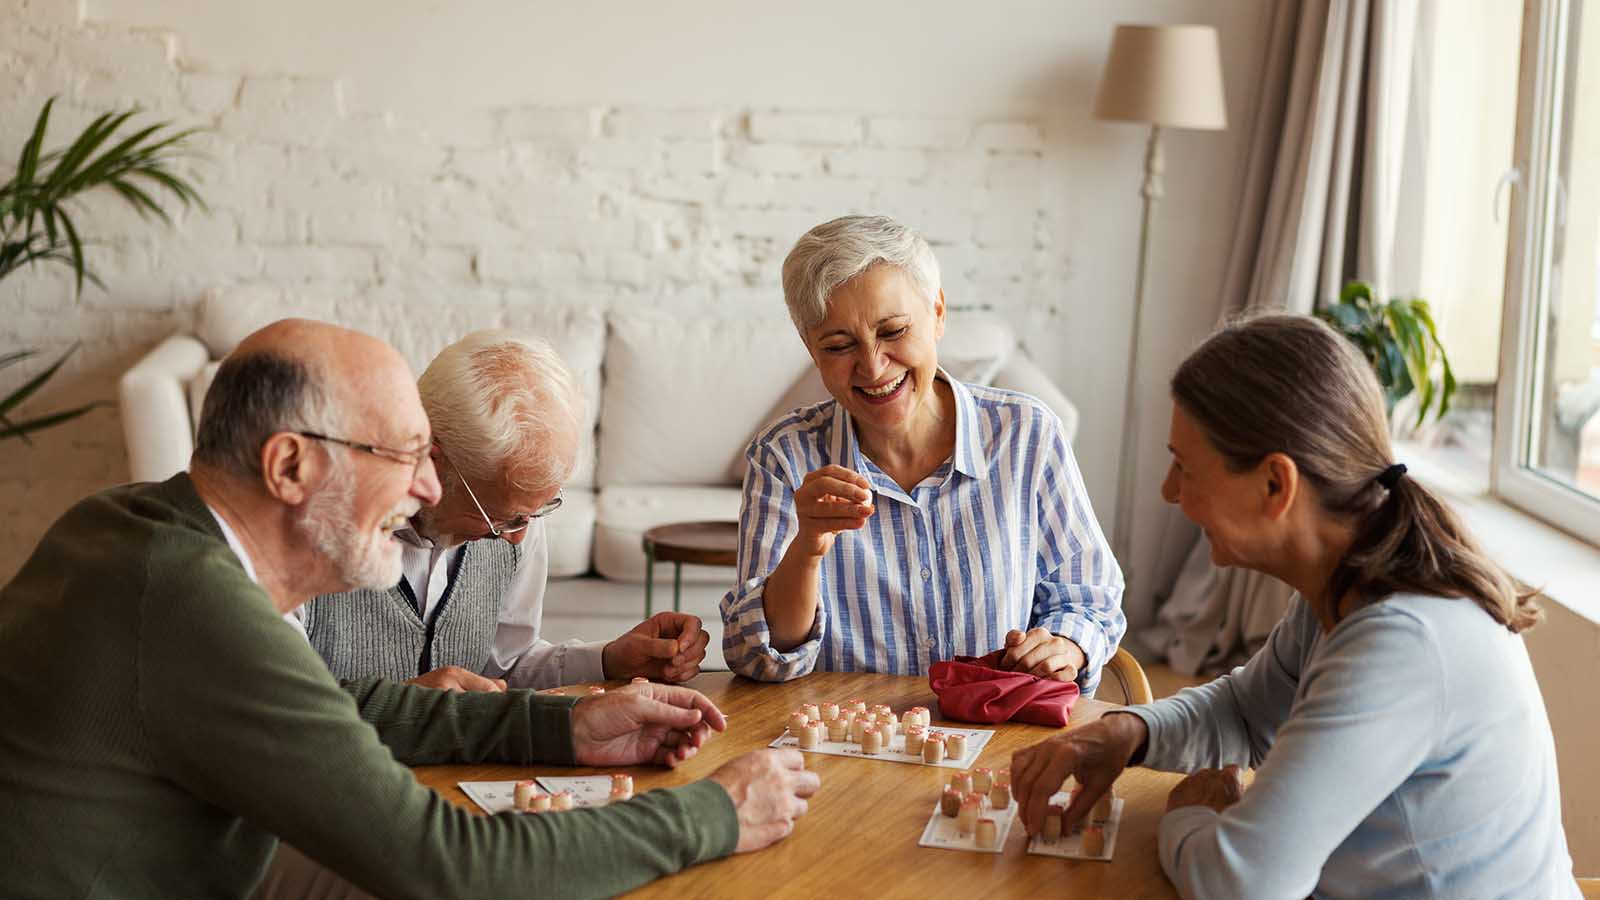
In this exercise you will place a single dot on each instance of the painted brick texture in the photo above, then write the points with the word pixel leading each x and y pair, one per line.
pixel 318 203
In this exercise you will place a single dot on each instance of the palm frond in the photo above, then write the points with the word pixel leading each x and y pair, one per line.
pixel 16 356
pixel 11 400
pixel 37 225
pixel 30 150
pixel 10 429
pixel 34 221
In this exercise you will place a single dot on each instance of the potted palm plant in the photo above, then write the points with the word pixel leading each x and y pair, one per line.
pixel 37 222
pixel 1400 341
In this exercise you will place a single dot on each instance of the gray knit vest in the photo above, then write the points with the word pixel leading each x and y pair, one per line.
pixel 367 633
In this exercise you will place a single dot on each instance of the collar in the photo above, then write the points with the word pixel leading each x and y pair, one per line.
pixel 295 617
pixel 968 455
pixel 234 544
pixel 413 538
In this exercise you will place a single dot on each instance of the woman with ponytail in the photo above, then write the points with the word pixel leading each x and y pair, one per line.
pixel 1400 743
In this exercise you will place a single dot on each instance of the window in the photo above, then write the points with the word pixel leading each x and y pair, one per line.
pixel 1501 234
pixel 1547 405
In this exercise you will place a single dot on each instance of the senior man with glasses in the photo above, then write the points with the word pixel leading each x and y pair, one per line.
pixel 465 615
pixel 164 728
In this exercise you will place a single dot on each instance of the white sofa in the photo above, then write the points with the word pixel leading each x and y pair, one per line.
pixel 673 401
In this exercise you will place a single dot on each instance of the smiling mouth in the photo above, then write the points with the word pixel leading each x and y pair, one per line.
pixel 395 522
pixel 887 390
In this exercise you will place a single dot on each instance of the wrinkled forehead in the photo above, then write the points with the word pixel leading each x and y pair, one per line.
pixel 880 292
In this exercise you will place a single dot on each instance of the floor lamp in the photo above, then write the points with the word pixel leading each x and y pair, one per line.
pixel 1167 76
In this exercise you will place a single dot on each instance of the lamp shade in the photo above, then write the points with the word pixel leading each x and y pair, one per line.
pixel 1167 75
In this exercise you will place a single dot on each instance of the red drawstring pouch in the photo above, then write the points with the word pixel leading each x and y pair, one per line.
pixel 971 689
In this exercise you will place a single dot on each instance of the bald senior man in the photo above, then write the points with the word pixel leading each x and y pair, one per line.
pixel 163 722
pixel 465 614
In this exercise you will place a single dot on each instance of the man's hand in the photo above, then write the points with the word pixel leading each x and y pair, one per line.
pixel 1038 652
pixel 769 790
pixel 643 723
pixel 1216 788
pixel 829 500
pixel 455 678
pixel 1094 754
pixel 668 646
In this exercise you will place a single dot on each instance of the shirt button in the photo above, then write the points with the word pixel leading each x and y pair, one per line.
pixel 927 644
pixel 926 573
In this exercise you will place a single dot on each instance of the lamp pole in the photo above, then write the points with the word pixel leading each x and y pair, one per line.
pixel 1127 470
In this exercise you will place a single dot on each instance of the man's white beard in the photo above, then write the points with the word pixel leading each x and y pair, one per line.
pixel 362 559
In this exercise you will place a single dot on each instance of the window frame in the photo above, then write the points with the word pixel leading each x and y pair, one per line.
pixel 1542 87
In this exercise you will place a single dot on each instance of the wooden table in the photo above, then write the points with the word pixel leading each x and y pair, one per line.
pixel 860 836
pixel 701 543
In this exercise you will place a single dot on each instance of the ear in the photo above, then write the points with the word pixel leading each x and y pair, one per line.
pixel 1282 484
pixel 938 316
pixel 290 468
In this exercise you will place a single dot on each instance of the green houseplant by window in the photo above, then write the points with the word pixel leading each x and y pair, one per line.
pixel 37 224
pixel 1400 341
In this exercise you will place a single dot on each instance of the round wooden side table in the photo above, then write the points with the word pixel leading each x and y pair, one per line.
pixel 702 543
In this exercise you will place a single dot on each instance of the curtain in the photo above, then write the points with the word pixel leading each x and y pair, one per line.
pixel 1320 206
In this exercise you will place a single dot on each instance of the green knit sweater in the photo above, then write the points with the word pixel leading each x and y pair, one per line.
pixel 159 723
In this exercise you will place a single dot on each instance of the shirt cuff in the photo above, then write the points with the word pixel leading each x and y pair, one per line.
pixel 747 642
pixel 581 661
pixel 1090 637
pixel 1156 754
pixel 547 665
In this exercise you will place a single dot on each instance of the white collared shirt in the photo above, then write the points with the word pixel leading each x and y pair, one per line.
pixel 295 616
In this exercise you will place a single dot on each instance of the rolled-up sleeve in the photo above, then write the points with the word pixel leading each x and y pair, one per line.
pixel 767 524
pixel 1078 593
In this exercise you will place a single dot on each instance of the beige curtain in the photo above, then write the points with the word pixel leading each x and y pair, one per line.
pixel 1320 204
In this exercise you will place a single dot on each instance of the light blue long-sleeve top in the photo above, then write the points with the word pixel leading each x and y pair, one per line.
pixel 1404 754
pixel 1000 536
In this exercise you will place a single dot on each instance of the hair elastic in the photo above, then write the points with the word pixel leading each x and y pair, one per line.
pixel 1391 476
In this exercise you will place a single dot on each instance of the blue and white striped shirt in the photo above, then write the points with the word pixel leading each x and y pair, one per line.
pixel 1000 536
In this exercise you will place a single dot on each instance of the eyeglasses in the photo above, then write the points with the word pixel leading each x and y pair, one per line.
pixel 412 458
pixel 516 523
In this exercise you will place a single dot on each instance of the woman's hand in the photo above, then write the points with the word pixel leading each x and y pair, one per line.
pixel 830 500
pixel 1093 754
pixel 1038 652
pixel 1216 788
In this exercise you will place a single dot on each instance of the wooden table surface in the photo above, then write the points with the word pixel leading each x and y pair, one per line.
pixel 860 836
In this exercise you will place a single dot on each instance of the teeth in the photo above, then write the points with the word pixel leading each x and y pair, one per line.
pixel 886 390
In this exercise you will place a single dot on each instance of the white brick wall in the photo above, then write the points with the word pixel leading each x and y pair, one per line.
pixel 329 208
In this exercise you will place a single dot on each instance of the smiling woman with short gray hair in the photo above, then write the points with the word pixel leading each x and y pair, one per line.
pixel 911 518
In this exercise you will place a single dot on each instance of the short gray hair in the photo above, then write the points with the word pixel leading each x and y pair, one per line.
pixel 834 252
pixel 254 396
pixel 495 399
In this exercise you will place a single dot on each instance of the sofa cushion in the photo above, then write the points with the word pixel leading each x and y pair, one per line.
pixel 625 513
pixel 683 394
pixel 578 333
pixel 976 336
pixel 227 316
pixel 569 533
